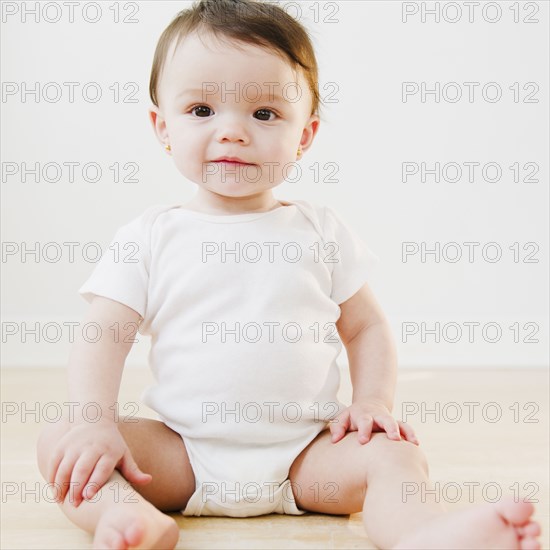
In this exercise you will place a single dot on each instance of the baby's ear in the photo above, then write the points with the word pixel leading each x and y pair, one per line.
pixel 158 122
pixel 309 132
pixel 314 122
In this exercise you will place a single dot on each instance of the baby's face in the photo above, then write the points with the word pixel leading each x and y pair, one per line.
pixel 219 101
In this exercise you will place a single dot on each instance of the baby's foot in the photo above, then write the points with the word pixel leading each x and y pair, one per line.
pixel 124 527
pixel 504 525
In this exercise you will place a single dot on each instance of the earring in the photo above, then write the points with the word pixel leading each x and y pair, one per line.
pixel 299 150
pixel 167 147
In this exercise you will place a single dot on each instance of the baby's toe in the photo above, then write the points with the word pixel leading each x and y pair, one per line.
pixel 532 529
pixel 529 543
pixel 134 533
pixel 515 513
pixel 109 539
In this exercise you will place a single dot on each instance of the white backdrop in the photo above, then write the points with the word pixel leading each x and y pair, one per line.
pixel 379 134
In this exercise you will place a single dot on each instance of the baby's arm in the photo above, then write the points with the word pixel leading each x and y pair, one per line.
pixel 95 368
pixel 90 451
pixel 366 335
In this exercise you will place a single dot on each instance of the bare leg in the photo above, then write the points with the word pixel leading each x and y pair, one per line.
pixel 123 516
pixel 373 478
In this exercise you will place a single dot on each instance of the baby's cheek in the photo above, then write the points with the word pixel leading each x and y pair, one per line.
pixel 186 168
pixel 188 161
pixel 278 165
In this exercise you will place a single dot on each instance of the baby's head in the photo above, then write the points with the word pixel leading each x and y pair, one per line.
pixel 235 78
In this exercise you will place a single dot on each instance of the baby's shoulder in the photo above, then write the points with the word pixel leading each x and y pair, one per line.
pixel 149 216
pixel 322 217
pixel 140 226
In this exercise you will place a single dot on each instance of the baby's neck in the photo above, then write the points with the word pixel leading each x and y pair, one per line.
pixel 207 202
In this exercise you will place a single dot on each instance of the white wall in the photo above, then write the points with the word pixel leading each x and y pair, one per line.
pixel 366 52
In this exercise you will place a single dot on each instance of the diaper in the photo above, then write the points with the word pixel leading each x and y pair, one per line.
pixel 241 482
pixel 242 499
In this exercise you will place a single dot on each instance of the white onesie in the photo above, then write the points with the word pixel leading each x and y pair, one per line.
pixel 241 310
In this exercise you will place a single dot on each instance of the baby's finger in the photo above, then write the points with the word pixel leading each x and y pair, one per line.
pixel 364 427
pixel 339 425
pixel 83 467
pixel 408 432
pixel 102 472
pixel 131 471
pixel 53 466
pixel 389 424
pixel 63 477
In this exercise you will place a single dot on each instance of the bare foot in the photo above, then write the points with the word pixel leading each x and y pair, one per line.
pixel 503 525
pixel 139 527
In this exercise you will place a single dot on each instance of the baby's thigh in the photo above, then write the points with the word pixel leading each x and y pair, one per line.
pixel 157 450
pixel 332 478
pixel 160 451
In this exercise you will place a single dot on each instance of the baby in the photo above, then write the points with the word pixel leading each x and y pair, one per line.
pixel 247 300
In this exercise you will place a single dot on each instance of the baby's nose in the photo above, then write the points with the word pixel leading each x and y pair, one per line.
pixel 232 130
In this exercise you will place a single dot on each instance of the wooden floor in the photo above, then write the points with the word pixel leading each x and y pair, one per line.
pixel 511 454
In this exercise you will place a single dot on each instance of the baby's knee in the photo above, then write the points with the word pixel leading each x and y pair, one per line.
pixel 49 435
pixel 391 453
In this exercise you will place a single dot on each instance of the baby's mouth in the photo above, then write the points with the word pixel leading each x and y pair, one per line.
pixel 232 161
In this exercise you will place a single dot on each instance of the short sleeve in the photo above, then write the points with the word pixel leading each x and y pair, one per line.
pixel 122 273
pixel 352 260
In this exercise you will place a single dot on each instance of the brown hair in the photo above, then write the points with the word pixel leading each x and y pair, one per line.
pixel 249 21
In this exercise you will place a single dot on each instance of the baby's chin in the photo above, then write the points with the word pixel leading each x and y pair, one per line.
pixel 235 187
pixel 239 180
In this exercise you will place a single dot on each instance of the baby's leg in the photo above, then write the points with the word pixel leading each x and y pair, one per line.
pixel 347 477
pixel 125 516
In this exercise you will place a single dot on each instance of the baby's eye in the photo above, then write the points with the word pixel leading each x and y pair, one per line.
pixel 202 110
pixel 266 112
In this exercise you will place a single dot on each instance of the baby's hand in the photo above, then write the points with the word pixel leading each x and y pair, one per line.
pixel 86 456
pixel 367 418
